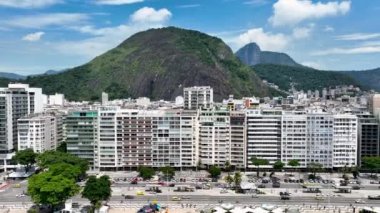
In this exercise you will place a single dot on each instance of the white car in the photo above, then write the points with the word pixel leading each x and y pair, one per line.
pixel 20 195
pixel 359 201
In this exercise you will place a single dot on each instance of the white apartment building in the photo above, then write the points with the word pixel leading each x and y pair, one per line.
pixel 174 139
pixel 320 139
pixel 16 101
pixel 294 141
pixel 38 132
pixel 198 97
pixel 214 137
pixel 345 142
pixel 264 135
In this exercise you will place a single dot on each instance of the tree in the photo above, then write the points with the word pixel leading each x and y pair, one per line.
pixel 62 147
pixel 294 163
pixel 66 170
pixel 278 165
pixel 146 172
pixel 48 189
pixel 227 166
pixel 315 167
pixel 371 163
pixel 97 190
pixel 259 162
pixel 168 172
pixel 25 157
pixel 229 180
pixel 199 164
pixel 214 171
pixel 237 180
pixel 48 158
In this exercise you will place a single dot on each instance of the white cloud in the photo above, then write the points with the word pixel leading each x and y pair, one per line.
pixel 328 29
pixel 45 20
pixel 313 64
pixel 189 6
pixel 302 32
pixel 349 51
pixel 148 14
pixel 256 2
pixel 292 12
pixel 266 40
pixel 29 4
pixel 104 38
pixel 358 36
pixel 33 36
pixel 117 2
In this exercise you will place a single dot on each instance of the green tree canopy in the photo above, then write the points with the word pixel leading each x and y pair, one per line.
pixel 278 165
pixel 227 166
pixel 65 169
pixel 26 158
pixel 146 172
pixel 214 171
pixel 371 163
pixel 49 189
pixel 97 189
pixel 62 147
pixel 259 162
pixel 315 167
pixel 294 163
pixel 168 172
pixel 49 158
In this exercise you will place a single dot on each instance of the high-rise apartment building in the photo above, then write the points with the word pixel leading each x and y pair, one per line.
pixel 16 101
pixel 238 139
pixel 264 135
pixel 368 137
pixel 294 141
pixel 38 132
pixel 81 128
pixel 198 97
pixel 345 139
pixel 214 137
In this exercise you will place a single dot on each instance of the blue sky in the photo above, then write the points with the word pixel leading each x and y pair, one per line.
pixel 38 35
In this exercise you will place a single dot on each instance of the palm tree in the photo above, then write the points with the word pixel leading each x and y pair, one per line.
pixel 229 180
pixel 237 180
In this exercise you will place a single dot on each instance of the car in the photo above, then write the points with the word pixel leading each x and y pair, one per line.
pixel 356 187
pixel 140 193
pixel 171 184
pixel 176 199
pixel 319 197
pixel 359 201
pixel 261 186
pixel 129 197
pixel 17 185
pixel 20 195
pixel 374 197
pixel 254 196
pixel 185 197
pixel 276 185
pixel 285 197
pixel 223 191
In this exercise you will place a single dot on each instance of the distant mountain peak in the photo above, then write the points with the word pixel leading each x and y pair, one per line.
pixel 251 55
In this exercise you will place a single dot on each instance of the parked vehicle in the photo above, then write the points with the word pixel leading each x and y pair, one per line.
pixel 374 197
pixel 276 184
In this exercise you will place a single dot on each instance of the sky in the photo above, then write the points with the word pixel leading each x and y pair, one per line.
pixel 41 35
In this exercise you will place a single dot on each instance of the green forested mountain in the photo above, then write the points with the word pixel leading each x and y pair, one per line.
pixel 157 63
pixel 303 78
pixel 369 79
